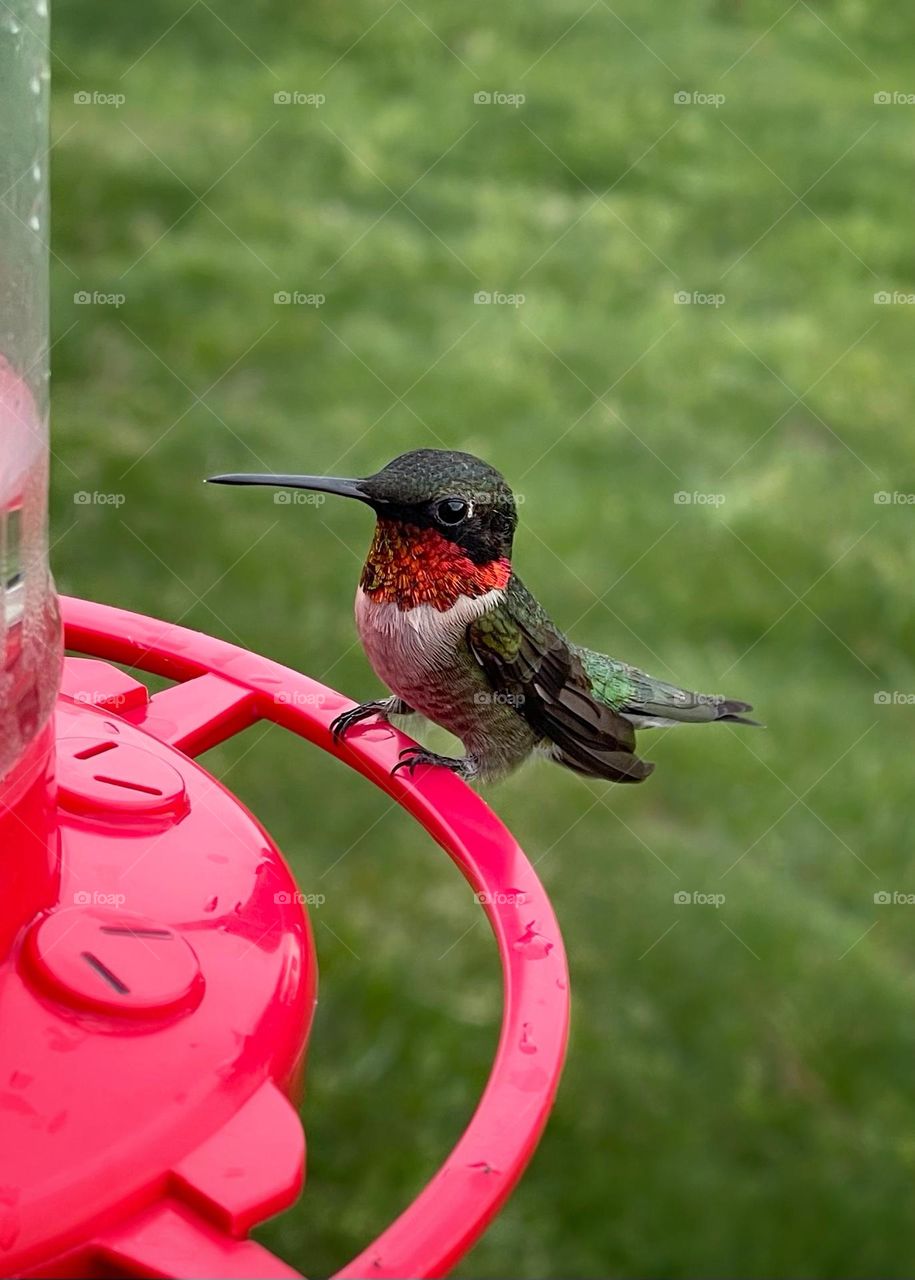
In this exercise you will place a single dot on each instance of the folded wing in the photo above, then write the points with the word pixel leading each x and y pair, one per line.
pixel 528 660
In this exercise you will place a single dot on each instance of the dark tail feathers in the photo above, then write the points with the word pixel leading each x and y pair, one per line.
pixel 730 710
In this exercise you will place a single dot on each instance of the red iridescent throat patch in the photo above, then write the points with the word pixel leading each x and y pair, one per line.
pixel 409 566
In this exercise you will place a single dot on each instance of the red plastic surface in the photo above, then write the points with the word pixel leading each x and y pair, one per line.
pixel 112 962
pixel 170 984
pixel 172 1166
pixel 28 843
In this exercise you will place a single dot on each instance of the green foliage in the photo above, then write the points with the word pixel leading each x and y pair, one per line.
pixel 738 1098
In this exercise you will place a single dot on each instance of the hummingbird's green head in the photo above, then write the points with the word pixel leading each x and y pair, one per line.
pixel 446 522
pixel 458 496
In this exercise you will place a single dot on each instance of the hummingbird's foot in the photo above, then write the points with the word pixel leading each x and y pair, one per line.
pixel 464 766
pixel 384 707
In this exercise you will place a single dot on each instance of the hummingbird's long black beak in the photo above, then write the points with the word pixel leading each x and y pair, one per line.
pixel 320 484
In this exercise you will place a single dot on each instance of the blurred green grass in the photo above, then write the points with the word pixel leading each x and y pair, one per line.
pixel 738 1097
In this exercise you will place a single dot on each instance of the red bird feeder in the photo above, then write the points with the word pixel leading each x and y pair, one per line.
pixel 157 970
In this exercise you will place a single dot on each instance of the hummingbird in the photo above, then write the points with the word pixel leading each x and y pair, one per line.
pixel 449 627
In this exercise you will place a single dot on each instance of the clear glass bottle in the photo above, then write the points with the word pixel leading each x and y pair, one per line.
pixel 30 633
pixel 30 645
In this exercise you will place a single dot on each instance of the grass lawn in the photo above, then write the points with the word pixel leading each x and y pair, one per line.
pixel 739 1093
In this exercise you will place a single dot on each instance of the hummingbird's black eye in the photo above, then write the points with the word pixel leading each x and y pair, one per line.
pixel 452 511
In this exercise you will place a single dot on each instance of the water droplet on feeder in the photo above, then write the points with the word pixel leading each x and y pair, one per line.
pixel 532 944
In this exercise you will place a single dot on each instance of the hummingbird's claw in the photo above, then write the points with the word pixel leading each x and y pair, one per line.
pixel 411 757
pixel 382 707
pixel 347 719
pixel 408 759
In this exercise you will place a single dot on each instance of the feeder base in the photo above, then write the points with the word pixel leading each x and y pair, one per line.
pixel 155 1016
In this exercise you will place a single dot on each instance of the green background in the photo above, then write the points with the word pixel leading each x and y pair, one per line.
pixel 738 1097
